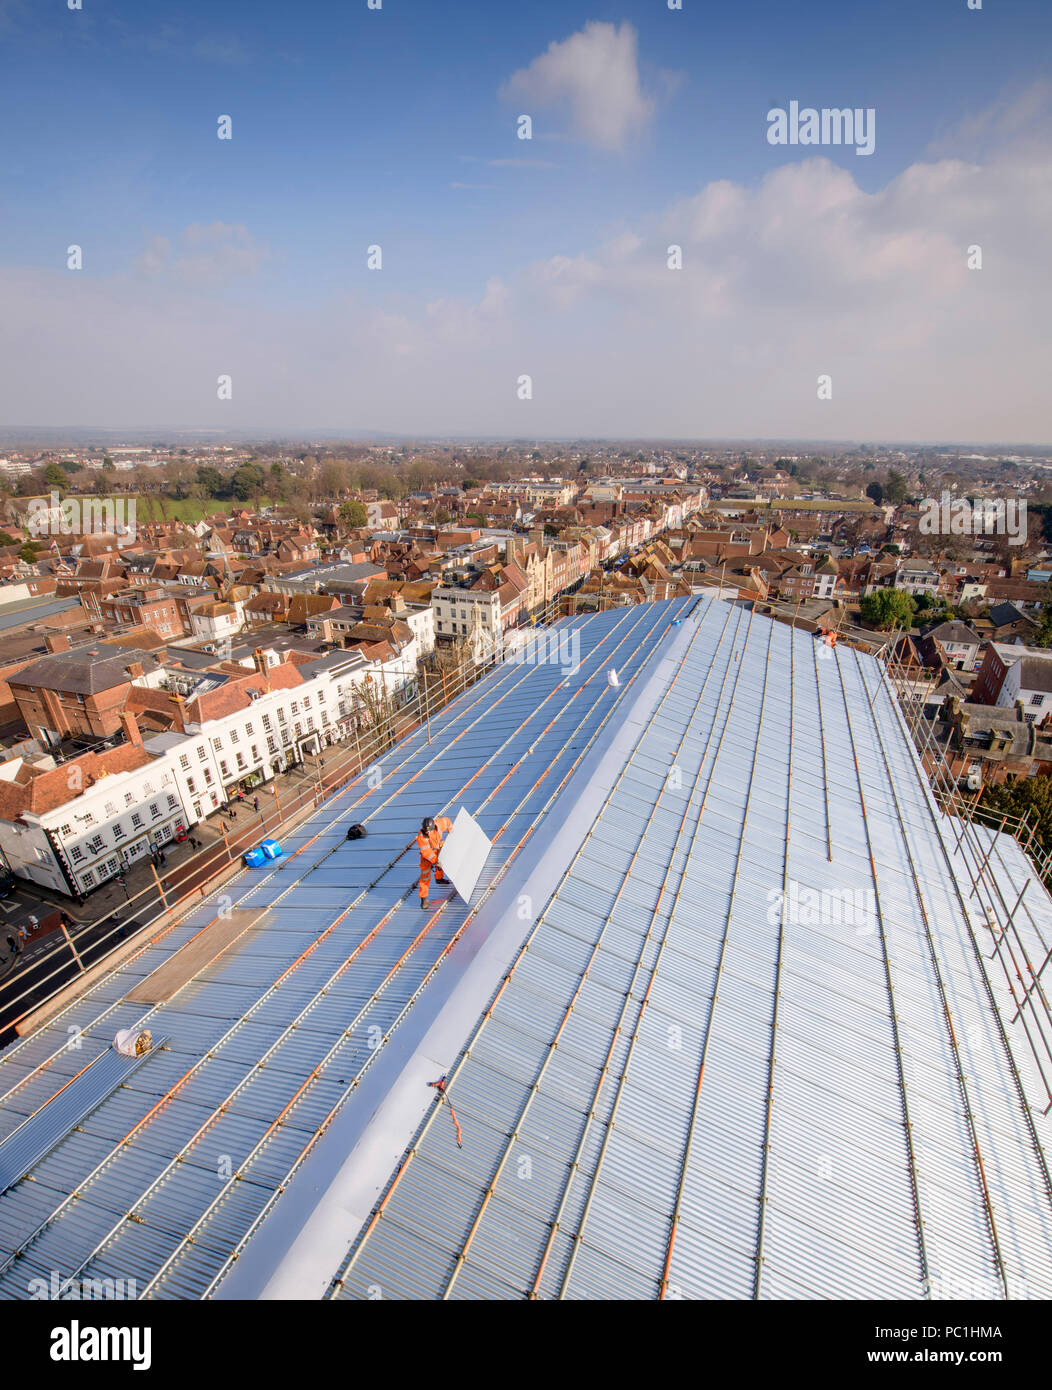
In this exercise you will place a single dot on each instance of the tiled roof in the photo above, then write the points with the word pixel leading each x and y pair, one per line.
pixel 86 670
pixel 954 632
pixel 234 694
pixel 1035 673
pixel 45 789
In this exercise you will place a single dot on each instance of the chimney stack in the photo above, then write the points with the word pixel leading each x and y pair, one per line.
pixel 259 658
pixel 57 642
pixel 131 728
pixel 135 670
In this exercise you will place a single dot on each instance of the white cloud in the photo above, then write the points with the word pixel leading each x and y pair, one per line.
pixel 154 259
pixel 456 321
pixel 1018 115
pixel 205 255
pixel 595 75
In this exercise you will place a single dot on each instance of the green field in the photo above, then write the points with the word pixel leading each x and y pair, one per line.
pixel 792 504
pixel 189 509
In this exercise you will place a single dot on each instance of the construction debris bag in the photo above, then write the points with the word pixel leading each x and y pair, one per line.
pixel 129 1043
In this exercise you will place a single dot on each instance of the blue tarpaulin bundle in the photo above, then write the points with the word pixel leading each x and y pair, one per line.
pixel 254 857
pixel 270 848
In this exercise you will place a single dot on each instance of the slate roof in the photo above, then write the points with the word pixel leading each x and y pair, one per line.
pixel 86 670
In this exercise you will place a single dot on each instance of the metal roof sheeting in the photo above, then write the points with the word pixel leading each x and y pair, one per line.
pixel 691 1084
pixel 176 1168
pixel 701 1078
pixel 71 1104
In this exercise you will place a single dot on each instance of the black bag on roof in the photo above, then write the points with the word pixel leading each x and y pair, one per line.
pixel 356 831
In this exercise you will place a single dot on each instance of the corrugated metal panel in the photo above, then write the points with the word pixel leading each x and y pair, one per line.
pixel 38 1135
pixel 840 1215
pixel 217 1106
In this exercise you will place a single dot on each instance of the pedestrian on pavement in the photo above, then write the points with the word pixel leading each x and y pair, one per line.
pixel 66 920
pixel 13 944
pixel 255 803
pixel 164 860
pixel 32 922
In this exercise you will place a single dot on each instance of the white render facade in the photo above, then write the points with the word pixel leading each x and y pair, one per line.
pixel 218 625
pixel 454 609
pixel 917 581
pixel 98 833
pixel 421 622
pixel 825 584
pixel 1036 702
pixel 269 736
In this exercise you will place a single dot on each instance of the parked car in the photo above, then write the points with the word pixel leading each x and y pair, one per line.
pixel 8 882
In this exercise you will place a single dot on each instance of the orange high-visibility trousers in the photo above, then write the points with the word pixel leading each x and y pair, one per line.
pixel 425 877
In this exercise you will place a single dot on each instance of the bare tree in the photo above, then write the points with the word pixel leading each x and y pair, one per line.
pixel 374 714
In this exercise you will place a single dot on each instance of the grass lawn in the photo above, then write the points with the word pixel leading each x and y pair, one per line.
pixel 792 504
pixel 188 509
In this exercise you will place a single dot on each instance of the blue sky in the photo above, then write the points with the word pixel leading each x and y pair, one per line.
pixel 353 127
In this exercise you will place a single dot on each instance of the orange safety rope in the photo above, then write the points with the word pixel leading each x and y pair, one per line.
pixel 440 1087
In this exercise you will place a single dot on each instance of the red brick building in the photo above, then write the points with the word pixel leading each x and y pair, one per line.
pixel 80 691
pixel 145 607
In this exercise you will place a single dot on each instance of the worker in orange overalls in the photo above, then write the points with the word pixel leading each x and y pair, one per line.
pixel 432 832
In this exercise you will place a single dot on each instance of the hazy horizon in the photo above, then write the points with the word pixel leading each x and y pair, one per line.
pixel 154 435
